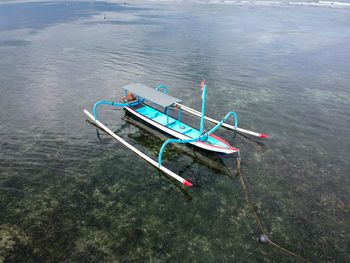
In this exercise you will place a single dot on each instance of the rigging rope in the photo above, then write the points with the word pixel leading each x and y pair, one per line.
pixel 250 203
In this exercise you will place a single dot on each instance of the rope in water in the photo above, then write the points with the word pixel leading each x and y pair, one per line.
pixel 250 202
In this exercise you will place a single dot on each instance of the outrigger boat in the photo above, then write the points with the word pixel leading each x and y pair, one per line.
pixel 144 102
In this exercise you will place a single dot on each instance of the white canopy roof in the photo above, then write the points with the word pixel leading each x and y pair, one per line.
pixel 151 94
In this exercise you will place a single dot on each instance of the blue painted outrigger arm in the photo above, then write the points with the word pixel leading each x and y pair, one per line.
pixel 204 97
pixel 205 135
pixel 217 126
pixel 112 103
pixel 162 88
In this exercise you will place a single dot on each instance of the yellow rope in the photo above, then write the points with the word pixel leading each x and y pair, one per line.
pixel 250 202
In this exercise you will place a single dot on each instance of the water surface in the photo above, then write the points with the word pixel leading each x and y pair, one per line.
pixel 66 195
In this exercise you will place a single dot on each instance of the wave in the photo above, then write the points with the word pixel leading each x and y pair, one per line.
pixel 257 2
pixel 322 3
pixel 245 2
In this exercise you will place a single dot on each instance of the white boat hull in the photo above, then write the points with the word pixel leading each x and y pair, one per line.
pixel 182 136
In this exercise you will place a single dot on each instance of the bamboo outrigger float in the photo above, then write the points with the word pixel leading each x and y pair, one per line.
pixel 143 101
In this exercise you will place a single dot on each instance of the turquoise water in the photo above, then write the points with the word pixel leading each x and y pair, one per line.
pixel 66 195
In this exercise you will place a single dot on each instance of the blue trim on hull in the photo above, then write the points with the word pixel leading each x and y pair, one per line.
pixel 177 126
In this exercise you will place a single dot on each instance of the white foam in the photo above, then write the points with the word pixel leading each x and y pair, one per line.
pixel 334 3
pixel 295 3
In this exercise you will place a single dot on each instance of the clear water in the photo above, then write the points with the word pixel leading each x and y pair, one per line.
pixel 66 195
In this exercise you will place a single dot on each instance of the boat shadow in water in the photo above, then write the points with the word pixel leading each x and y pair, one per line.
pixel 149 139
pixel 211 160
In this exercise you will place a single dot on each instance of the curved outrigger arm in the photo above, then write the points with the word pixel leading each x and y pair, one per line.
pixel 217 126
pixel 203 137
pixel 200 138
pixel 112 103
pixel 162 88
pixel 227 126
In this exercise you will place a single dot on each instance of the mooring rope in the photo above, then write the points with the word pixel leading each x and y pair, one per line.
pixel 250 203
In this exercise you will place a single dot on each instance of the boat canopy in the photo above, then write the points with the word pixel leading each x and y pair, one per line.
pixel 151 94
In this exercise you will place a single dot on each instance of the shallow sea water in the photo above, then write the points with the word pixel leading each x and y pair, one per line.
pixel 66 195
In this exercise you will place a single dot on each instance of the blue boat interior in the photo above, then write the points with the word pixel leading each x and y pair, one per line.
pixel 176 125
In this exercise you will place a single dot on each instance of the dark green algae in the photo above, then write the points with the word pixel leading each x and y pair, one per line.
pixel 108 216
pixel 66 196
pixel 116 214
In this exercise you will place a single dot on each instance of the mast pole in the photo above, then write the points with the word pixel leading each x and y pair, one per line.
pixel 204 94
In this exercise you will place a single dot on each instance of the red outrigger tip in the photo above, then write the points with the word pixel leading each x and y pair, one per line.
pixel 202 84
pixel 187 183
pixel 264 136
